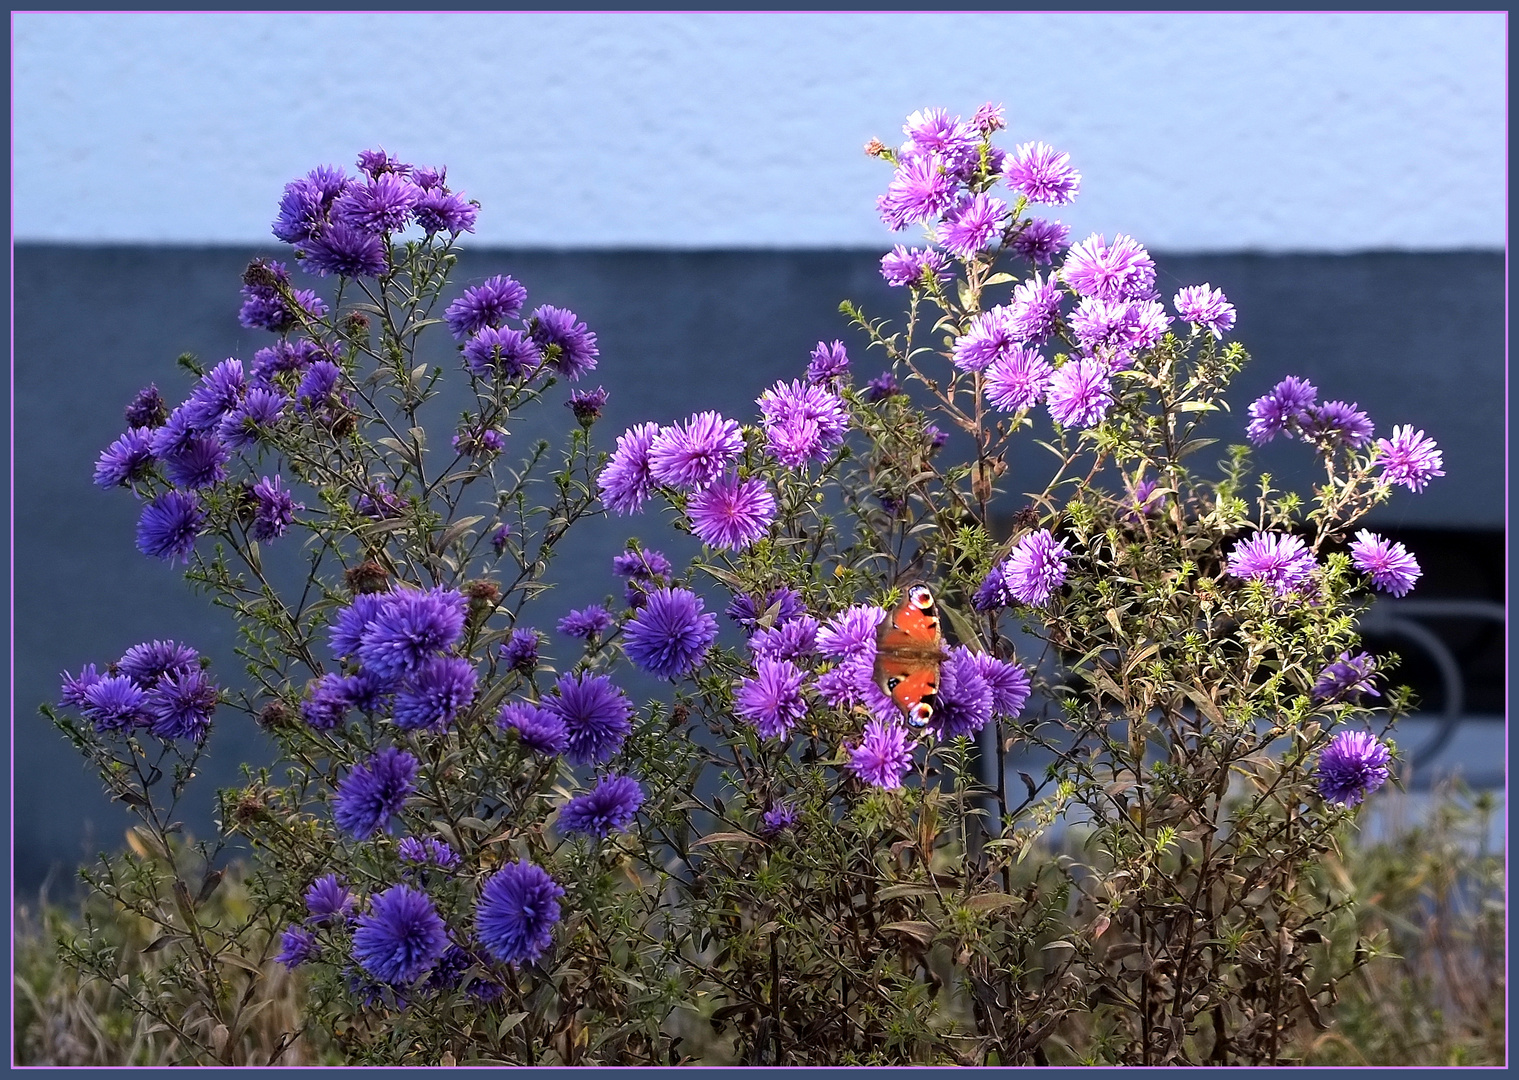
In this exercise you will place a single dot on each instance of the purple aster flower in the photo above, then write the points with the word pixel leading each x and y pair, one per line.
pixel 568 347
pixel 348 628
pixel 828 364
pixel 377 163
pixel 326 900
pixel 147 408
pixel 776 820
pixel 180 706
pixel 1122 271
pixel 520 651
pixel 1041 240
pixel 150 661
pixel 1043 173
pixel 275 512
pixel 1351 767
pixel 965 696
pixel 920 189
pixel 343 250
pixel 499 538
pixel 366 692
pixel 115 703
pixel 264 308
pixel 201 463
pixel 988 119
pixel 373 793
pixel 385 204
pixel 489 303
pixel 607 808
pixel 251 420
pixel 628 479
pixel 803 422
pixel 992 336
pixel 587 405
pixel 72 692
pixel 881 387
pixel 169 524
pixel 1142 502
pixel 1122 326
pixel 1035 308
pixel 670 635
pixel 538 729
pixel 1336 423
pixel 401 937
pixel 306 202
pixel 319 386
pixel 1391 568
pixel 794 639
pixel 439 211
pixel 732 513
pixel 1018 380
pixel 1278 559
pixel 1288 402
pixel 1080 393
pixel 283 357
pixel 1035 569
pixel 1408 458
pixel 516 913
pixel 934 131
pixel 692 455
pixel 973 225
pixel 642 563
pixel 851 682
pixel 380 503
pixel 1205 307
pixel 1009 683
pixel 884 755
pixel 409 627
pixel 218 391
pixel 174 435
pixel 297 945
pixel 596 714
pixel 126 460
pixel 752 613
pixel 906 266
pixel 495 350
pixel 588 623
pixel 772 699
pixel 429 851
pixel 477 440
pixel 1347 677
pixel 434 694
pixel 851 633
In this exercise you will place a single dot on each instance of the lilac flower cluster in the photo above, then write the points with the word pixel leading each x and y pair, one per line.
pixel 644 570
pixel 1351 767
pixel 551 337
pixel 157 686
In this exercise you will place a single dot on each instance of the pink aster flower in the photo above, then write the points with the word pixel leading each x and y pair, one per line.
pixel 883 756
pixel 693 454
pixel 732 513
pixel 1388 563
pixel 1408 458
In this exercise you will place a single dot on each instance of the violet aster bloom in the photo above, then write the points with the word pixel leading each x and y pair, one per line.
pixel 973 225
pixel 516 913
pixel 538 729
pixel 385 204
pixel 692 455
pixel 305 204
pixel 588 623
pixel 520 651
pixel 218 391
pixel 851 633
pixel 126 460
pixel 401 937
pixel 595 713
pixel 883 756
pixel 1036 568
pixel 1351 767
pixel 1287 403
pixel 965 696
pixel 275 512
pixel 488 304
pixel 150 661
pixel 1009 683
pixel 297 945
pixel 169 524
pixel 731 514
pixel 502 534
pixel 1279 559
pixel 1336 423
pixel 991 337
pixel 670 635
pixel 377 163
pixel 1391 568
pixel 920 189
pixel 803 422
pixel 643 564
pixel 367 693
pixel 771 699
pixel 147 408
pixel 327 703
pixel 1408 458
pixel 502 351
pixel 778 819
pixel 1041 240
pixel 283 357
pixel 115 703
pixel 477 440
pixel 71 694
pixel 1018 380
pixel 380 503
pixel 934 131
pixel 754 612
pixel 435 693
pixel 180 706
pixel 201 463
pixel 427 851
pixel 1118 325
pixel 410 626
pixel 252 419
pixel 1205 307
pixel 1035 308
pixel 988 118
pixel 993 592
pixel 1141 502
pixel 906 266
pixel 851 682
pixel 319 386
pixel 439 211
pixel 568 347
pixel 881 387
pixel 607 808
pixel 794 639
pixel 1120 271
pixel 1346 678
pixel 628 479
pixel 374 792
pixel 174 434
pixel 587 405
pixel 343 250
pixel 1043 173
pixel 347 629
pixel 1080 393
pixel 828 364
pixel 327 899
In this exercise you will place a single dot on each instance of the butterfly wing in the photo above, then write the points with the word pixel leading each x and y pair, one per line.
pixel 909 649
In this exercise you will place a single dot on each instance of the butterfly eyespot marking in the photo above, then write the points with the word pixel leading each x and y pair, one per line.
pixel 920 714
pixel 921 598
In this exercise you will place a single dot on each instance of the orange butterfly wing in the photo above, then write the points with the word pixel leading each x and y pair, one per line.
pixel 909 649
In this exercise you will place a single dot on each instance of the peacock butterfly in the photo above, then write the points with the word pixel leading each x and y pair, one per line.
pixel 909 650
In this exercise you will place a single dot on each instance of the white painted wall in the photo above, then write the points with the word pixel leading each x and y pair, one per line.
pixel 1195 132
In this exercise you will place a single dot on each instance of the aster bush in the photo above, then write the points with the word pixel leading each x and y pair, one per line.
pixel 1152 718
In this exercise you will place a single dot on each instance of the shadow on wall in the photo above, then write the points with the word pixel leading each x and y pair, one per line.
pixel 1413 338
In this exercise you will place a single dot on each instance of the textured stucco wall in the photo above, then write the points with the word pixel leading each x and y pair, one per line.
pixel 1200 132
